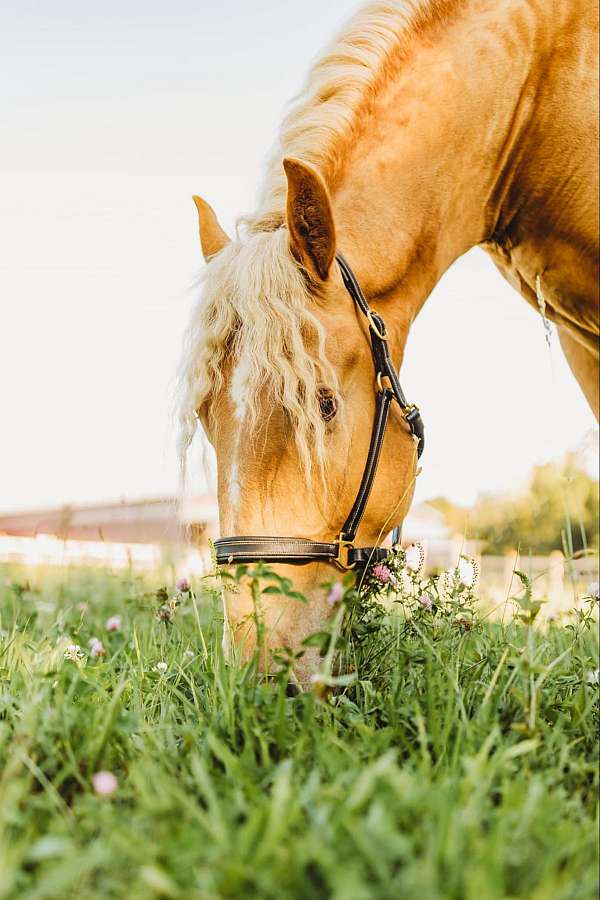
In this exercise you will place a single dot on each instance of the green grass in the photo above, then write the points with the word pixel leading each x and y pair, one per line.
pixel 461 762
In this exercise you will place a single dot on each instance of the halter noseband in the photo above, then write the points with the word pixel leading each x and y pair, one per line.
pixel 341 552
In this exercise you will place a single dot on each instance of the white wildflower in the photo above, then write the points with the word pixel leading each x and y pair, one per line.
pixel 74 653
pixel 447 581
pixel 415 557
pixel 467 571
pixel 593 590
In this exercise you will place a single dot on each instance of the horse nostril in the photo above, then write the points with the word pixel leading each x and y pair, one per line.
pixel 327 404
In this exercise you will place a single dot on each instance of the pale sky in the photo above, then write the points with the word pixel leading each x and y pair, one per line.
pixel 113 114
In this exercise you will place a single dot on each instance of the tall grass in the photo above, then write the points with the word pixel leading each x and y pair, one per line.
pixel 458 759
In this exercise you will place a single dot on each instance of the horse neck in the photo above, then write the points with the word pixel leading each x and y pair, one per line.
pixel 420 186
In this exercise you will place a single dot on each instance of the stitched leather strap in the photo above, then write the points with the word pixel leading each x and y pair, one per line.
pixel 382 412
pixel 292 551
pixel 295 551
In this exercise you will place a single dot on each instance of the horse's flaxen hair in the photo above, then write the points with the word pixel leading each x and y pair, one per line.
pixel 332 108
pixel 255 305
pixel 255 313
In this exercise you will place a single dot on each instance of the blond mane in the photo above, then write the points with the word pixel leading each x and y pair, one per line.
pixel 255 312
pixel 333 106
pixel 254 307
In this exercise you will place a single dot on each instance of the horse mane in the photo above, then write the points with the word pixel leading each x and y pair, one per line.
pixel 255 308
pixel 254 313
pixel 326 116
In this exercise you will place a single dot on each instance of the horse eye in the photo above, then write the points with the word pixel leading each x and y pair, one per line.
pixel 328 404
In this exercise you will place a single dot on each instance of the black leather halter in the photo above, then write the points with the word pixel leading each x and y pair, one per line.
pixel 341 552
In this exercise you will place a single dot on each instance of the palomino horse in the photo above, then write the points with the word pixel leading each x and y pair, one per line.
pixel 426 128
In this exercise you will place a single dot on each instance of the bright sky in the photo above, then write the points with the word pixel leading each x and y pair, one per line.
pixel 113 115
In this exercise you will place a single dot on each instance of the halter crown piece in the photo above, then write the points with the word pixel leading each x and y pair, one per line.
pixel 341 552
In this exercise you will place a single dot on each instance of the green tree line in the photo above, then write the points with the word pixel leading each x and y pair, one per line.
pixel 558 510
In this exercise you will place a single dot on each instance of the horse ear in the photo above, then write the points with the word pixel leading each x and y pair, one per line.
pixel 309 217
pixel 212 236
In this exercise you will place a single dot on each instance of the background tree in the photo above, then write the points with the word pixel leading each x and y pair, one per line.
pixel 558 510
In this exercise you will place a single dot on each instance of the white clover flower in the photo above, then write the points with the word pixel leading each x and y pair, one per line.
pixel 161 667
pixel 96 647
pixel 114 623
pixel 189 653
pixel 105 783
pixel 593 677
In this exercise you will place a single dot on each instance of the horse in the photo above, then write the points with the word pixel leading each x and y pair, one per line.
pixel 426 128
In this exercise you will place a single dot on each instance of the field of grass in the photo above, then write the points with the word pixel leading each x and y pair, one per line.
pixel 458 761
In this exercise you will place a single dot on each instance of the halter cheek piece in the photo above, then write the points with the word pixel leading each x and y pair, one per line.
pixel 341 552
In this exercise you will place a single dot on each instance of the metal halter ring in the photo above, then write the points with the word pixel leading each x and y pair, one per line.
pixel 380 377
pixel 375 327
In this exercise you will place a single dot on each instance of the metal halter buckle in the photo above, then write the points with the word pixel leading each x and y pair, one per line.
pixel 341 546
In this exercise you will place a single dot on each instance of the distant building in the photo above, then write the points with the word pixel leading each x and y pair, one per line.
pixel 149 521
pixel 423 523
pixel 141 533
